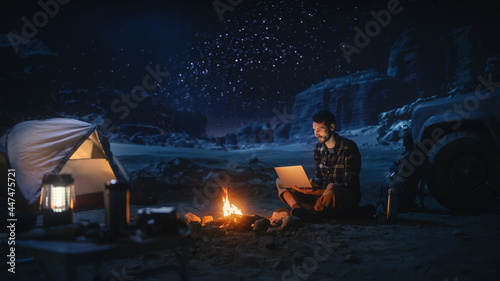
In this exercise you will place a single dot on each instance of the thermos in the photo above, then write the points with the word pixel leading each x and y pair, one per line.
pixel 392 204
pixel 117 204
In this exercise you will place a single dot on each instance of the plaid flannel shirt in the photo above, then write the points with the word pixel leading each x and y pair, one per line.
pixel 342 167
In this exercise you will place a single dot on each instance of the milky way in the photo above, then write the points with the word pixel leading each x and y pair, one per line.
pixel 254 61
pixel 259 57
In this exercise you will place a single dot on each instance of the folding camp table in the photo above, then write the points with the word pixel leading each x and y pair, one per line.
pixel 70 254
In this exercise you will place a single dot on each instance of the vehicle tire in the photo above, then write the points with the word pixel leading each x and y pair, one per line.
pixel 464 171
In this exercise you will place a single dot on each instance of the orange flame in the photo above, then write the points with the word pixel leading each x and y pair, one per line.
pixel 229 208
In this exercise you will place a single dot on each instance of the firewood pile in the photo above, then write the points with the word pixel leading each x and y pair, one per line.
pixel 280 220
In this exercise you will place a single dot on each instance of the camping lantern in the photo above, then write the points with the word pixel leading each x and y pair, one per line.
pixel 57 199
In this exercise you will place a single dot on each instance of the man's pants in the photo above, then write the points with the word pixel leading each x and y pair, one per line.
pixel 337 203
pixel 315 202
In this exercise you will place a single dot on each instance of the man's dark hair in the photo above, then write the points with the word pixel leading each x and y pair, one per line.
pixel 324 116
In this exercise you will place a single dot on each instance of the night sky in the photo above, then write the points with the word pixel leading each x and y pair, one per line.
pixel 234 70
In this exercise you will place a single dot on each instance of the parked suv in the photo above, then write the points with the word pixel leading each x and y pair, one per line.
pixel 459 138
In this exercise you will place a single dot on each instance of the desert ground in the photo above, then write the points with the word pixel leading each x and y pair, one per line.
pixel 435 244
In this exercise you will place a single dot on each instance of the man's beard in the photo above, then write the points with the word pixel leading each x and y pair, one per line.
pixel 324 139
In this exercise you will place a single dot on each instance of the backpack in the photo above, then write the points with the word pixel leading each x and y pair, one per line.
pixel 405 180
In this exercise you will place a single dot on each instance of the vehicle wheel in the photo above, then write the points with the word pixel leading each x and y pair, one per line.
pixel 464 171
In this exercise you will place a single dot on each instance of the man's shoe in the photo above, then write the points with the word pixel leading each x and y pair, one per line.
pixel 305 215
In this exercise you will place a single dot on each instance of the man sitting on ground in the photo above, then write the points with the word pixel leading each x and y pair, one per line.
pixel 336 189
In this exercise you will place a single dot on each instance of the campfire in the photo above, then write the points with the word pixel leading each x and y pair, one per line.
pixel 233 218
pixel 229 208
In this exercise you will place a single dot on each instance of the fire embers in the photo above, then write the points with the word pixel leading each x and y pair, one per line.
pixel 233 219
pixel 232 222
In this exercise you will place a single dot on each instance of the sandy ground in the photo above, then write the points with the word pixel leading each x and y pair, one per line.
pixel 433 245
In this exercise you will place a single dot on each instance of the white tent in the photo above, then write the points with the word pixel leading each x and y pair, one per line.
pixel 65 146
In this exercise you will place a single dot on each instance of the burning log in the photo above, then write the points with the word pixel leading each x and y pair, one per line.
pixel 235 222
pixel 233 218
pixel 219 222
pixel 243 222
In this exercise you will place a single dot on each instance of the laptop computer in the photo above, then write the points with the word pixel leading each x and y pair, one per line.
pixel 291 176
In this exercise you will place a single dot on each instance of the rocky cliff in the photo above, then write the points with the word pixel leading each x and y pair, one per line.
pixel 433 62
pixel 421 64
pixel 356 100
